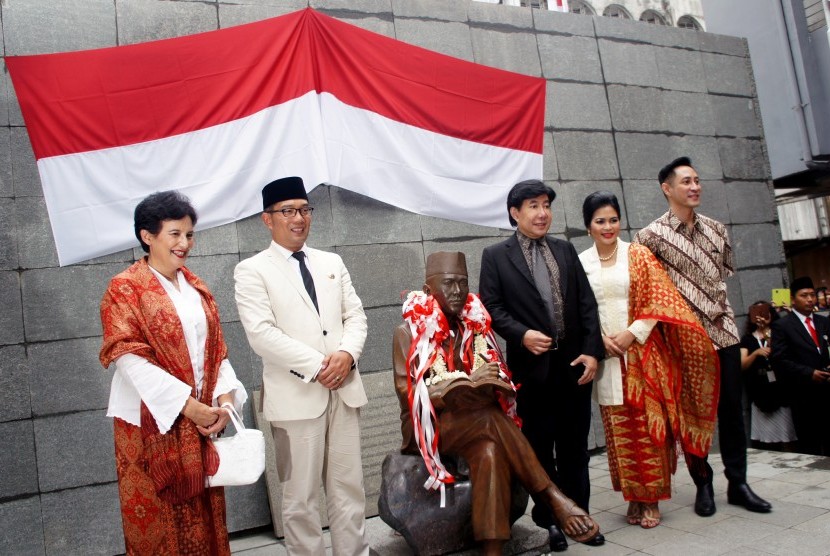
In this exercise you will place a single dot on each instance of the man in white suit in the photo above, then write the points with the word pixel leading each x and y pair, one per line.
pixel 303 317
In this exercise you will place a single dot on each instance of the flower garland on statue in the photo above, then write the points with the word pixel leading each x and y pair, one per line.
pixel 427 356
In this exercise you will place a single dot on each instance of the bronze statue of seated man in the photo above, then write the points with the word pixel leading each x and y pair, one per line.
pixel 457 398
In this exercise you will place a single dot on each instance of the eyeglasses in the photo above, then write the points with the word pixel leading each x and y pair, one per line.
pixel 292 212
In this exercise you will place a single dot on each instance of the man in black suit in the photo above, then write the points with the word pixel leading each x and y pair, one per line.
pixel 800 353
pixel 542 305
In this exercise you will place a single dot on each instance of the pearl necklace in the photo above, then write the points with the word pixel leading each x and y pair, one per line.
pixel 611 256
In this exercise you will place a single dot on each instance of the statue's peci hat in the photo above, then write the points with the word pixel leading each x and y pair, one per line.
pixel 446 262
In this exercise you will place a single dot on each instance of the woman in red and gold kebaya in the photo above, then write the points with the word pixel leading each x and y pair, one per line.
pixel 162 330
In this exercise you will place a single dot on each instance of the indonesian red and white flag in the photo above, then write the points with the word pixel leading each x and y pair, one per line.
pixel 218 115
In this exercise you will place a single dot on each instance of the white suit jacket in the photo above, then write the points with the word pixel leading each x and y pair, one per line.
pixel 285 330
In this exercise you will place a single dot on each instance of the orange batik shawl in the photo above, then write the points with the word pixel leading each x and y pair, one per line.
pixel 139 317
pixel 675 376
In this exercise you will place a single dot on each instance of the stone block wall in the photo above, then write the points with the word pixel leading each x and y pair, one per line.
pixel 623 99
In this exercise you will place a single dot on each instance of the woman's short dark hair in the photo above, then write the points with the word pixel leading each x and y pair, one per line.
pixel 750 326
pixel 527 189
pixel 596 201
pixel 154 209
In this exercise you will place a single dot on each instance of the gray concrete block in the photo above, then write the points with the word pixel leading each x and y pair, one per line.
pixel 63 303
pixel 380 25
pixel 32 223
pixel 546 21
pixel 580 240
pixel 11 317
pixel 644 202
pixel 380 272
pixel 217 272
pixel 570 58
pixel 322 234
pixel 146 20
pixel 17 459
pixel 377 353
pixel 74 450
pixel 510 51
pixel 680 70
pixel 757 285
pixel 5 85
pixel 246 364
pixel 586 155
pixel 637 108
pixel 15 115
pixel 751 203
pixel 642 155
pixel 83 521
pixel 550 168
pixel 688 113
pixel 8 235
pixel 727 74
pixel 247 506
pixel 757 245
pixel 714 201
pixel 734 294
pixel 360 220
pixel 472 249
pixel 231 14
pixel 22 526
pixel 743 159
pixel 14 384
pixel 495 14
pixel 577 106
pixel 637 31
pixel 125 256
pixel 440 228
pixel 436 9
pixel 558 223
pixel 365 6
pixel 253 236
pixel 285 5
pixel 630 64
pixel 723 44
pixel 735 116
pixel 43 26
pixel 573 195
pixel 66 376
pixel 219 240
pixel 450 38
pixel 6 181
pixel 26 180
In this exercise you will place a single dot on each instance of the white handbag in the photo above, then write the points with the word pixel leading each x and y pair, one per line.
pixel 241 456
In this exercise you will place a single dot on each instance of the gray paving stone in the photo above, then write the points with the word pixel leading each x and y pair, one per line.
pixel 637 108
pixel 247 506
pixel 246 364
pixel 74 450
pixel 680 70
pixel 253 236
pixel 727 74
pixel 637 31
pixel 550 168
pixel 577 106
pixel 17 459
pixel 642 155
pixel 231 14
pixel 570 58
pixel 22 526
pixel 723 44
pixel 586 155
pixel 447 37
pixel 219 240
pixel 688 113
pixel 743 159
pixel 26 181
pixel 360 220
pixel 377 353
pixel 11 317
pixel 435 9
pixel 145 20
pixel 37 248
pixel 510 51
pixel 8 235
pixel 735 116
pixel 380 272
pixel 441 228
pixel 14 384
pixel 6 181
pixel 714 201
pixel 630 64
pixel 67 376
pixel 573 195
pixel 757 245
pixel 557 209
pixel 472 249
pixel 44 26
pixel 365 6
pixel 125 256
pixel 83 521
pixel 734 294
pixel 547 21
pixel 217 272
pixel 380 25
pixel 63 303
pixel 751 203
pixel 495 14
pixel 644 202
pixel 322 234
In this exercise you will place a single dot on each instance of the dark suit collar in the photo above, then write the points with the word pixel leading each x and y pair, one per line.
pixel 557 248
pixel 797 325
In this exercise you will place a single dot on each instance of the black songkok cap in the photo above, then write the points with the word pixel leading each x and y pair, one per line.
pixel 283 189
pixel 801 283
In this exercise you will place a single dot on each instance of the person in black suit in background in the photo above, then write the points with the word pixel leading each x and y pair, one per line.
pixel 542 305
pixel 800 353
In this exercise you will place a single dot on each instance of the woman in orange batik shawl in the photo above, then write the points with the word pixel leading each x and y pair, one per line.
pixel 658 386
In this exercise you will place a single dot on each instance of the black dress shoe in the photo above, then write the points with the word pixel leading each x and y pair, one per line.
pixel 705 500
pixel 742 495
pixel 599 540
pixel 558 542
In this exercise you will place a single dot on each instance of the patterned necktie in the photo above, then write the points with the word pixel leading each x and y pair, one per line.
pixel 308 281
pixel 812 330
pixel 541 276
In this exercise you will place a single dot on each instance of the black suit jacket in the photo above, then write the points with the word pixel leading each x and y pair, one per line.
pixel 510 295
pixel 793 351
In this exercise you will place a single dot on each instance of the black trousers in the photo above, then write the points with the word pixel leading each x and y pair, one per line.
pixel 556 416
pixel 730 424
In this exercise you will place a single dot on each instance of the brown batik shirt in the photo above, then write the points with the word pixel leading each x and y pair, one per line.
pixel 698 260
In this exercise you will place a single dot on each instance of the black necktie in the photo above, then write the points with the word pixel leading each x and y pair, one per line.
pixel 308 281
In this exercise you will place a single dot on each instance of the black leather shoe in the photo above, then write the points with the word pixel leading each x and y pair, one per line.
pixel 599 540
pixel 742 495
pixel 705 500
pixel 558 542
